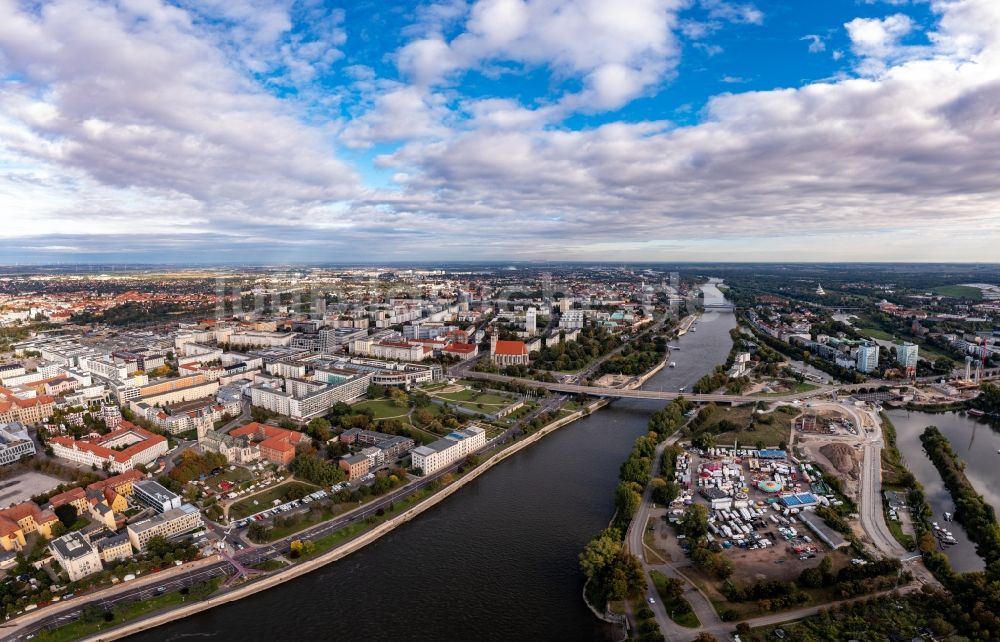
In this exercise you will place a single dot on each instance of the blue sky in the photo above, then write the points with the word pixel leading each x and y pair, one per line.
pixel 302 130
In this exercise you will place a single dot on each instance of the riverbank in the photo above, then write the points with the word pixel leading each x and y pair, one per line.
pixel 972 511
pixel 349 547
pixel 604 571
pixel 642 379
pixel 471 548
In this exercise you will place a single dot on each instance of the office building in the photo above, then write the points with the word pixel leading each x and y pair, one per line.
pixel 572 320
pixel 155 496
pixel 114 547
pixel 171 523
pixel 15 442
pixel 355 466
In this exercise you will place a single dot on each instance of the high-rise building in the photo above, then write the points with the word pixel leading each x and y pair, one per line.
pixel 531 321
pixel 867 357
pixel 906 356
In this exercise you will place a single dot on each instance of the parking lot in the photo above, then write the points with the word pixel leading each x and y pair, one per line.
pixel 755 501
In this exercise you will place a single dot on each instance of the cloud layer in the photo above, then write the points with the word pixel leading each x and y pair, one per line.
pixel 191 131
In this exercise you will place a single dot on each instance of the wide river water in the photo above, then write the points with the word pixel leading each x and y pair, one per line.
pixel 977 445
pixel 496 561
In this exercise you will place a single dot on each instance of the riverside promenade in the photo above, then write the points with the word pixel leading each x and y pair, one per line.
pixel 301 568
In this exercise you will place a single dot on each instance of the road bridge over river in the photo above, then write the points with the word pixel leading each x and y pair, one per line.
pixel 626 393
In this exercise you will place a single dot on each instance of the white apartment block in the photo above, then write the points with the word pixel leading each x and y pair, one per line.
pixel 572 320
pixel 455 446
pixel 867 357
pixel 398 350
pixel 104 367
pixel 907 355
pixel 306 399
pixel 254 339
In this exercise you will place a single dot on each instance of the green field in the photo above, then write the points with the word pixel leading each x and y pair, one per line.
pixel 265 499
pixel 796 387
pixel 959 292
pixel 382 408
pixel 876 333
pixel 769 428
pixel 486 403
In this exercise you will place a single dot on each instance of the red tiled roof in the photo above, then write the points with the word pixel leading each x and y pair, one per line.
pixel 122 456
pixel 259 431
pixel 511 348
pixel 117 480
pixel 66 497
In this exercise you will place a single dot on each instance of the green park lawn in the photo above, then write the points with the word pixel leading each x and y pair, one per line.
pixel 959 292
pixel 382 408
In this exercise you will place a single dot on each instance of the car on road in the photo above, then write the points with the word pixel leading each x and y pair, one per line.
pixel 160 590
pixel 651 600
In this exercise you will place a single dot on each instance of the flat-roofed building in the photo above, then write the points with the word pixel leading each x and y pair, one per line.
pixel 77 556
pixel 171 523
pixel 453 447
pixel 155 496
pixel 15 442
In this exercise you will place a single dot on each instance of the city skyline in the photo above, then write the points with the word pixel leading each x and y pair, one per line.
pixel 664 131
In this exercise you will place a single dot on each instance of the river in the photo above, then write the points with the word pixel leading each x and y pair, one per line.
pixel 976 444
pixel 496 561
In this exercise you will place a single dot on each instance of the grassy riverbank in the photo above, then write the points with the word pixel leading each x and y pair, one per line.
pixel 94 621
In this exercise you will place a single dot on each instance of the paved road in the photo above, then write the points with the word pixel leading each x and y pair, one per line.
pixel 574 389
pixel 872 520
pixel 240 419
pixel 870 492
pixel 700 604
pixel 62 613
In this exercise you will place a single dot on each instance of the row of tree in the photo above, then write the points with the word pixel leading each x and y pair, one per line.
pixel 973 599
pixel 989 399
pixel 638 357
pixel 612 572
pixel 971 510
